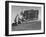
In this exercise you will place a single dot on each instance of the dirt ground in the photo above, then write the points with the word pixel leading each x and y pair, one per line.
pixel 28 26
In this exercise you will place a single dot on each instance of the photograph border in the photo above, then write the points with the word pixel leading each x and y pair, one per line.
pixel 7 17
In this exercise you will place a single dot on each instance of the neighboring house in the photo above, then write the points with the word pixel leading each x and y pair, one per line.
pixel 28 15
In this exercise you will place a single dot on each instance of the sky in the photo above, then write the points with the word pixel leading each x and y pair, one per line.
pixel 17 9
